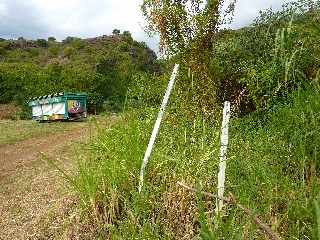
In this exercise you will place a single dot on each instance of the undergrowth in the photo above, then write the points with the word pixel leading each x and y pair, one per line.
pixel 273 168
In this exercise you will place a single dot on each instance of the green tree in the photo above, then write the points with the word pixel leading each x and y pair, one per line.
pixel 68 39
pixel 77 43
pixel 51 39
pixel 127 37
pixel 22 42
pixel 54 50
pixel 42 43
pixel 116 31
pixel 68 51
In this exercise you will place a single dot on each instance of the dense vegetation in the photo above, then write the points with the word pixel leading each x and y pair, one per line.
pixel 273 168
pixel 252 67
pixel 103 67
pixel 270 73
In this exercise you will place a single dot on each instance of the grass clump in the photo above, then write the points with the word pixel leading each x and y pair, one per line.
pixel 272 168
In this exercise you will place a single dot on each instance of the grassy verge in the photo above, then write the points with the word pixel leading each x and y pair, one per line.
pixel 12 131
pixel 273 168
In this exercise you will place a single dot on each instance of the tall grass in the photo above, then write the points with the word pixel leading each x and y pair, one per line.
pixel 272 167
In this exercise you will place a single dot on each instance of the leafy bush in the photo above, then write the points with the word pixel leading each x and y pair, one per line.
pixel 42 43
pixel 148 89
pixel 77 43
pixel 54 50
pixel 2 51
pixel 51 39
pixel 68 51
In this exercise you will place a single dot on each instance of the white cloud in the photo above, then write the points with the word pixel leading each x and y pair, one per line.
pixel 3 9
pixel 20 19
pixel 85 18
pixel 89 18
pixel 247 10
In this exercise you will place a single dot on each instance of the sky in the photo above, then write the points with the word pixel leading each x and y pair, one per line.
pixel 34 19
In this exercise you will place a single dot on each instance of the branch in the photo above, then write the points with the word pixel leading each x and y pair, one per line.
pixel 204 193
pixel 232 200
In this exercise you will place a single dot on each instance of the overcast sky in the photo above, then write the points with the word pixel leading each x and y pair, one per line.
pixel 89 18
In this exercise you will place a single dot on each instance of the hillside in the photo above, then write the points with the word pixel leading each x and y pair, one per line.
pixel 102 66
pixel 269 71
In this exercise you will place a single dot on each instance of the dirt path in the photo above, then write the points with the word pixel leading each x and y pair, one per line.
pixel 30 191
pixel 24 153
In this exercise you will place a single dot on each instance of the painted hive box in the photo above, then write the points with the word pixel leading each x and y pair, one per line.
pixel 60 106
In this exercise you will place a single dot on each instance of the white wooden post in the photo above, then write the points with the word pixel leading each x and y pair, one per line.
pixel 223 151
pixel 157 125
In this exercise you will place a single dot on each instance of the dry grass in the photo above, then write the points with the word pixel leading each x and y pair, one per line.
pixel 27 196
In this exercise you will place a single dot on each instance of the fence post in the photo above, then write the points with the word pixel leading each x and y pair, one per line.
pixel 223 151
pixel 157 125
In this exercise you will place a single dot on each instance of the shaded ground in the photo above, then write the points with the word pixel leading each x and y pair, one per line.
pixel 32 194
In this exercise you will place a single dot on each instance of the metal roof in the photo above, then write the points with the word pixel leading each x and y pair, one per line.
pixel 56 97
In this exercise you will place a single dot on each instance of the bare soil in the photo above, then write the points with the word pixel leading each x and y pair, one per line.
pixel 32 192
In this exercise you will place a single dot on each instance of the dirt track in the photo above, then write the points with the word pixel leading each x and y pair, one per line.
pixel 24 153
pixel 29 189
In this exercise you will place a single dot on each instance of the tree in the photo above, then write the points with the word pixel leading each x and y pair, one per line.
pixel 22 42
pixel 54 50
pixel 51 39
pixel 116 31
pixel 187 29
pixel 68 39
pixel 183 24
pixel 77 43
pixel 127 36
pixel 68 51
pixel 42 43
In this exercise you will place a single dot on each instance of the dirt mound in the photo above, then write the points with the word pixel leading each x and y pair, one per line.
pixel 8 110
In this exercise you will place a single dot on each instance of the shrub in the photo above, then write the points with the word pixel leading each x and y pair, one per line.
pixel 256 66
pixel 68 51
pixel 2 51
pixel 51 39
pixel 42 43
pixel 116 31
pixel 77 43
pixel 54 50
